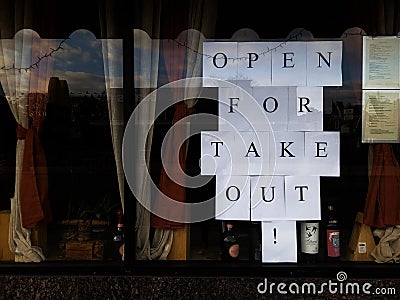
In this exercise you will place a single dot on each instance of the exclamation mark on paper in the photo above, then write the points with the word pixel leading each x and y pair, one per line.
pixel 274 235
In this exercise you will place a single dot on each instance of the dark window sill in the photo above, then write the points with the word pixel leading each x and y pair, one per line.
pixel 204 269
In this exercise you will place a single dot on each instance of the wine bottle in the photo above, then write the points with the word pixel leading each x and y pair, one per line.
pixel 118 236
pixel 309 241
pixel 230 249
pixel 332 235
pixel 255 241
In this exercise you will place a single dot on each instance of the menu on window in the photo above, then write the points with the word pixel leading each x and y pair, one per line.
pixel 381 89
pixel 381 116
pixel 381 63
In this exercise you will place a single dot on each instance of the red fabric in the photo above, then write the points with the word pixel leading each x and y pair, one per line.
pixel 174 57
pixel 34 202
pixel 382 207
pixel 167 186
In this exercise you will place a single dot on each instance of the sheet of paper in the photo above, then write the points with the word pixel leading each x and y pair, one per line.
pixel 303 201
pixel 324 63
pixel 306 111
pixel 274 102
pixel 254 62
pixel 232 200
pixel 322 153
pixel 217 152
pixel 267 198
pixel 219 62
pixel 279 241
pixel 235 153
pixel 289 66
pixel 380 62
pixel 238 110
pixel 380 116
pixel 254 158
pixel 288 152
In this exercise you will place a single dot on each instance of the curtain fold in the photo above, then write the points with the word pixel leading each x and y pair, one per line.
pixel 146 61
pixel 112 50
pixel 112 61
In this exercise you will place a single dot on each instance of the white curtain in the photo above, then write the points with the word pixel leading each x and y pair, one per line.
pixel 24 69
pixel 113 72
pixel 146 62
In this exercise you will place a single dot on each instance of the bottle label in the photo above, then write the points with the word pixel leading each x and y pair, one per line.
pixel 309 237
pixel 234 250
pixel 333 243
pixel 362 247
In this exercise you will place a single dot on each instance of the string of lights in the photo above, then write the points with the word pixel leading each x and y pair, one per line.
pixel 293 37
pixel 268 50
pixel 35 65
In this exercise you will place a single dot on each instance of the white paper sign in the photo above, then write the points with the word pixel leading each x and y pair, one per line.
pixel 295 63
pixel 380 116
pixel 380 62
pixel 235 153
pixel 306 111
pixel 217 152
pixel 267 198
pixel 275 104
pixel 324 63
pixel 232 201
pixel 289 65
pixel 302 194
pixel 322 153
pixel 255 157
pixel 219 62
pixel 289 152
pixel 279 241
pixel 270 149
pixel 255 62
pixel 237 109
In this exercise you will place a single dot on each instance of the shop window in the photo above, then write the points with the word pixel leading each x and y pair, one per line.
pixel 84 152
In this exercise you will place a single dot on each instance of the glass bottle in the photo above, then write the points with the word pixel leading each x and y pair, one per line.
pixel 118 236
pixel 332 235
pixel 255 241
pixel 230 249
pixel 309 241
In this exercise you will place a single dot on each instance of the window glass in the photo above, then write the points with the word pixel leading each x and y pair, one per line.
pixel 59 92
